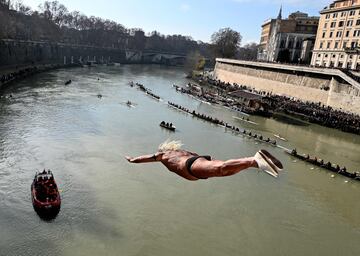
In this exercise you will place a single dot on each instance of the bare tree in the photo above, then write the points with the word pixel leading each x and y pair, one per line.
pixel 226 42
pixel 248 51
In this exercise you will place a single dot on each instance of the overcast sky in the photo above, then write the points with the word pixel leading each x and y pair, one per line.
pixel 196 18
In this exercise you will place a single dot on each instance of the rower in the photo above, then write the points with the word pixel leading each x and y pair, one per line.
pixel 294 152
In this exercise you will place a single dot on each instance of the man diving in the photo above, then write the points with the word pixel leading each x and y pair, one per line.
pixel 192 166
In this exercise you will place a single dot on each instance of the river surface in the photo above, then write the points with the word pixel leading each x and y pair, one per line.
pixel 110 207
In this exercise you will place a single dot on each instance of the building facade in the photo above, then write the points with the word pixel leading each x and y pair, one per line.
pixel 338 37
pixel 282 39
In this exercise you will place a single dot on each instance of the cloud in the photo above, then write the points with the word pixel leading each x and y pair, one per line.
pixel 185 7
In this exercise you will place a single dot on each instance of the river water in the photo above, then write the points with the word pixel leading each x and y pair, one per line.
pixel 110 207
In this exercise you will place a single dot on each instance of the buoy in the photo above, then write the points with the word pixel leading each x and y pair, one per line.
pixel 333 176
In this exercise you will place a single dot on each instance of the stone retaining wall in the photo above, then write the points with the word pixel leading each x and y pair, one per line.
pixel 22 53
pixel 304 86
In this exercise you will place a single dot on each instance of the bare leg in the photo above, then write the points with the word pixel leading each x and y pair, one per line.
pixel 216 168
pixel 232 167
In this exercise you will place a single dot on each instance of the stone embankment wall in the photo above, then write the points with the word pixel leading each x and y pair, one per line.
pixel 22 53
pixel 329 90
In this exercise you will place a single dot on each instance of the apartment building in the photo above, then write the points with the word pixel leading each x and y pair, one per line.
pixel 338 36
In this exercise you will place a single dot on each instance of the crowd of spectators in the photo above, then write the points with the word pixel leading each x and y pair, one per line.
pixel 313 112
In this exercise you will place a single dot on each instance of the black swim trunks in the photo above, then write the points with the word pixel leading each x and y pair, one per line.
pixel 191 161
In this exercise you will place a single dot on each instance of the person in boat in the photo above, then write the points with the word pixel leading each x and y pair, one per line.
pixel 294 152
pixel 315 159
pixel 171 125
pixel 192 166
pixel 163 123
pixel 328 165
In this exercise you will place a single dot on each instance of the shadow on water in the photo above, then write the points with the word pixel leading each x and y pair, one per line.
pixel 286 119
pixel 47 216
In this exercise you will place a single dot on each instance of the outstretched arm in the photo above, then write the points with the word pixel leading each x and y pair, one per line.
pixel 144 159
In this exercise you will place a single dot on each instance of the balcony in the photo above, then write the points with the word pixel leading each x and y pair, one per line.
pixel 352 50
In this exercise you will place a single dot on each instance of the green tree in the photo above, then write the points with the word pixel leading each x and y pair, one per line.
pixel 194 62
pixel 226 42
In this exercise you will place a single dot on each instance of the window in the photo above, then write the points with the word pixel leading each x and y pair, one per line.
pixel 339 34
pixel 334 56
pixel 290 44
pixel 335 15
pixel 341 56
pixel 356 33
pixel 328 45
pixel 327 16
pixel 331 34
pixel 323 35
pixel 325 25
pixel 341 24
pixel 347 33
pixel 321 45
pixel 326 55
pixel 333 24
pixel 352 13
pixel 343 14
pixel 353 45
pixel 344 44
pixel 357 22
pixel 319 55
pixel 349 23
pixel 336 45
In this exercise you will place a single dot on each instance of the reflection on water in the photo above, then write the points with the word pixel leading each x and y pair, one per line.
pixel 111 207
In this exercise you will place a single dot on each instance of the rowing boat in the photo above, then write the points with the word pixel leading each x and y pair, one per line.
pixel 172 128
pixel 328 166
